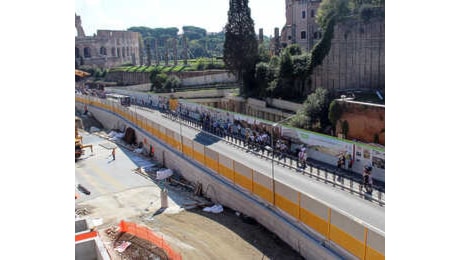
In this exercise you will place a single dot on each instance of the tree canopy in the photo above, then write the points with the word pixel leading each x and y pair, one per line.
pixel 314 112
pixel 240 46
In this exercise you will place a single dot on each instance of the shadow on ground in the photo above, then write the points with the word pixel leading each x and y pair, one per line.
pixel 252 232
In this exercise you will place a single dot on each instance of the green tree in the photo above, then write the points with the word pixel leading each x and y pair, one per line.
pixel 335 112
pixel 264 55
pixel 286 77
pixel 314 112
pixel 300 72
pixel 294 49
pixel 194 33
pixel 172 82
pixel 330 8
pixel 157 78
pixel 240 46
pixel 263 77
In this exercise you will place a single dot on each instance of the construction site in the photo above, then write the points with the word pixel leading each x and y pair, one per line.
pixel 153 219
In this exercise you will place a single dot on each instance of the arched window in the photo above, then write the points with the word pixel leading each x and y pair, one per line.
pixel 77 52
pixel 103 51
pixel 118 52
pixel 87 52
pixel 113 51
pixel 123 52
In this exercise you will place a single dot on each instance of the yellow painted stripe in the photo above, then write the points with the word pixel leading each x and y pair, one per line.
pixel 226 172
pixel 243 181
pixel 211 163
pixel 198 156
pixel 346 241
pixel 314 221
pixel 263 192
pixel 288 206
pixel 372 254
pixel 187 150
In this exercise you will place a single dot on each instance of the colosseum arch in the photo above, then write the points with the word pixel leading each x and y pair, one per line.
pixel 77 52
pixel 114 54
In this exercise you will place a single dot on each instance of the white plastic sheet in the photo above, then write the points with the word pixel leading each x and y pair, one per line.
pixel 214 209
pixel 164 173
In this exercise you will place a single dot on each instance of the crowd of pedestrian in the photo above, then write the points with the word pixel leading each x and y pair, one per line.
pixel 255 136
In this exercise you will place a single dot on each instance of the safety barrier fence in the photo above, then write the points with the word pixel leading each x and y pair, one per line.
pixel 147 234
pixel 335 227
pixel 86 235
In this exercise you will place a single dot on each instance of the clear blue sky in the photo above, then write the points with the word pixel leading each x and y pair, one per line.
pixel 208 14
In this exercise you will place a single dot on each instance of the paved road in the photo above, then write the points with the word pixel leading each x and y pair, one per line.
pixel 350 204
pixel 101 175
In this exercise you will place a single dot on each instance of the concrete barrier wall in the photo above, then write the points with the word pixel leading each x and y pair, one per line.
pixel 198 152
pixel 347 233
pixel 187 146
pixel 314 217
pixel 211 159
pixel 287 199
pixel 243 176
pixel 375 248
pixel 314 214
pixel 226 168
pixel 263 186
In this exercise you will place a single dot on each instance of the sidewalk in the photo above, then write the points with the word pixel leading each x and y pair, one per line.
pixel 346 174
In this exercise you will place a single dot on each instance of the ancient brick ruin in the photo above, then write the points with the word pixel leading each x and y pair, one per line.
pixel 356 59
pixel 107 48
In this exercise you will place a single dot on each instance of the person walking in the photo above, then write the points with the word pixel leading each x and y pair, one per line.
pixel 113 154
pixel 367 178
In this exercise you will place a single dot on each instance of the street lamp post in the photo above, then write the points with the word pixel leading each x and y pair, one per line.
pixel 273 164
pixel 180 129
pixel 273 153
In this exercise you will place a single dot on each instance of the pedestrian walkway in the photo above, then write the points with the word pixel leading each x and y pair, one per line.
pixel 324 172
pixel 341 178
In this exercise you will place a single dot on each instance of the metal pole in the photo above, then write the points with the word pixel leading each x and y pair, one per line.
pixel 180 129
pixel 273 154
pixel 273 165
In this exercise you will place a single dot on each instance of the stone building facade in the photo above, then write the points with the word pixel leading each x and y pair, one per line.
pixel 300 27
pixel 356 59
pixel 107 48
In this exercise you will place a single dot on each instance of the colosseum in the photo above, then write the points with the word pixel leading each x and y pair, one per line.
pixel 107 48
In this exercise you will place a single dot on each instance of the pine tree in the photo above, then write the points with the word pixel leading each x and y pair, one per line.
pixel 240 46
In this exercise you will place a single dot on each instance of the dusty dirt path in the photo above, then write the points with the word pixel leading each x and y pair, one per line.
pixel 194 233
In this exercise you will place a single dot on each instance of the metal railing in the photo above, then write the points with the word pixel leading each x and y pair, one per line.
pixel 329 174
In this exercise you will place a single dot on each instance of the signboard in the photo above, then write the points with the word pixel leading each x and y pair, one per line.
pixel 324 144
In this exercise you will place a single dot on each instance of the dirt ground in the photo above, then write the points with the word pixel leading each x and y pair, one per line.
pixel 194 233
pixel 189 230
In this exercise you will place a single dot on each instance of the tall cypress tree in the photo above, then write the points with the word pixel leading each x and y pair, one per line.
pixel 240 46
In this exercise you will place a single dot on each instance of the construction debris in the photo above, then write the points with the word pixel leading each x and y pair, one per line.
pixel 122 247
pixel 164 174
pixel 217 208
pixel 81 211
pixel 112 231
pixel 82 189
